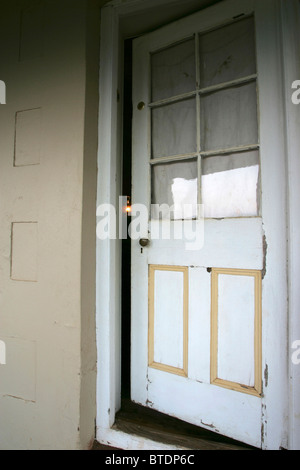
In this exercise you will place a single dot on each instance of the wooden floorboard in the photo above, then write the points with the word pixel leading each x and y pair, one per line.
pixel 147 423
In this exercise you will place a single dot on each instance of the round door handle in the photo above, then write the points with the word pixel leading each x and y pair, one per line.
pixel 144 242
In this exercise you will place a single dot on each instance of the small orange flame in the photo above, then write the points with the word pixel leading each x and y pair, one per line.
pixel 128 208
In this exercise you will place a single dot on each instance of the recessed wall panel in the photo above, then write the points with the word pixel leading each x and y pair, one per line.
pixel 28 137
pixel 18 375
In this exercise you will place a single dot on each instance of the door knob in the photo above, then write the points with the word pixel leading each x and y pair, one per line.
pixel 144 242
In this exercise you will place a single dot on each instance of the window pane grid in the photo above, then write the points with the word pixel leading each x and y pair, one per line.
pixel 204 88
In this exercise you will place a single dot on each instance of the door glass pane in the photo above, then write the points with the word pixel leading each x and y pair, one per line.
pixel 227 53
pixel 173 70
pixel 174 185
pixel 174 129
pixel 229 118
pixel 230 185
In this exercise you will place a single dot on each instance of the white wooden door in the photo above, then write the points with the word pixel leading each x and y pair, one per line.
pixel 201 160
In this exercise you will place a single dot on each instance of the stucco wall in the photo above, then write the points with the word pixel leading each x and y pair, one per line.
pixel 48 145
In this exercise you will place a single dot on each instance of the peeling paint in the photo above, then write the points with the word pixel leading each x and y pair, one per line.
pixel 211 426
pixel 262 433
pixel 265 250
pixel 266 375
pixel 263 424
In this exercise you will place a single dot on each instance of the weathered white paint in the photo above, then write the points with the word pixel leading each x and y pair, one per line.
pixel 199 324
pixel 273 173
pixel 168 318
pixel 119 20
pixel 236 313
pixel 108 266
pixel 248 234
pixel 165 391
pixel 290 13
pixel 123 11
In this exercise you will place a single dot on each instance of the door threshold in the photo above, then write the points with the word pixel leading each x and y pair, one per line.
pixel 137 427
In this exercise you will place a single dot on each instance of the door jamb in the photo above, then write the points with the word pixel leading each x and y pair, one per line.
pixel 109 187
pixel 108 252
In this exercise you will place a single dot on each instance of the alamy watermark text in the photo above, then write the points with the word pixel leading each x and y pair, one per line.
pixel 2 92
pixel 184 223
pixel 2 353
pixel 296 94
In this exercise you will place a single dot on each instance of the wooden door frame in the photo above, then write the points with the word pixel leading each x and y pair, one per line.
pixel 290 14
pixel 108 275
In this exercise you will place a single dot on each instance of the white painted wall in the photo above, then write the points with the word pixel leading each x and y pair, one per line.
pixel 49 63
